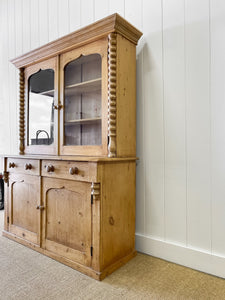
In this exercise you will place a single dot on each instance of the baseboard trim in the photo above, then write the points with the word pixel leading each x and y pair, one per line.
pixel 188 257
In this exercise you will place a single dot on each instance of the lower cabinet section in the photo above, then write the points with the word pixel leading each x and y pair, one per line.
pixel 86 221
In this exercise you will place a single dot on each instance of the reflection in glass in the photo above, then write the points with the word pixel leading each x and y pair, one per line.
pixel 82 101
pixel 41 108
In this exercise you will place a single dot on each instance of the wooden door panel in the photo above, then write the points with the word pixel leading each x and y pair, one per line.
pixel 51 148
pixel 24 218
pixel 67 218
pixel 65 215
pixel 24 208
pixel 99 149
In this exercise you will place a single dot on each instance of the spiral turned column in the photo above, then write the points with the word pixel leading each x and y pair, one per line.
pixel 21 113
pixel 112 94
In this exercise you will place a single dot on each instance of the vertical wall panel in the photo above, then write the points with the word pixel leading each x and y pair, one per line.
pixel 19 27
pixel 133 12
pixel 87 12
pixel 116 6
pixel 12 77
pixel 43 22
pixel 153 119
pixel 6 138
pixel 101 9
pixel 34 24
pixel 198 125
pixel 74 13
pixel 63 19
pixel 2 103
pixel 218 125
pixel 174 113
pixel 26 26
pixel 53 20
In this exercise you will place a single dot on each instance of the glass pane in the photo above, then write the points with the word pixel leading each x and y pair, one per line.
pixel 82 104
pixel 41 108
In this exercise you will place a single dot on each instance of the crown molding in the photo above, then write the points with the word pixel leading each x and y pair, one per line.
pixel 100 29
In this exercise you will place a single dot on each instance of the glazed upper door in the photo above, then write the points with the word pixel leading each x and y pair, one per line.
pixel 67 219
pixel 24 204
pixel 83 83
pixel 41 96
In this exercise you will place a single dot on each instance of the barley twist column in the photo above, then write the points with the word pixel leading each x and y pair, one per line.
pixel 21 112
pixel 112 94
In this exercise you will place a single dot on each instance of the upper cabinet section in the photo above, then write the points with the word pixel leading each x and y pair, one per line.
pixel 78 93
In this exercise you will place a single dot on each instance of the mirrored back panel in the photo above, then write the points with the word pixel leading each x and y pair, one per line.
pixel 41 108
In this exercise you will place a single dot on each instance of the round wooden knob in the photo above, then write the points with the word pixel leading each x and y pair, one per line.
pixel 12 165
pixel 28 166
pixel 50 168
pixel 73 171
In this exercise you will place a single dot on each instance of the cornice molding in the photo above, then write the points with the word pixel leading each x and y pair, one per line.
pixel 100 29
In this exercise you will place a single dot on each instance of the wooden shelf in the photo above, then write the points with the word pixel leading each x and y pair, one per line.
pixel 83 87
pixel 48 93
pixel 82 121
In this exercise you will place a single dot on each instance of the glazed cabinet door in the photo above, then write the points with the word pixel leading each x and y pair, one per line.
pixel 41 114
pixel 67 219
pixel 83 91
pixel 24 207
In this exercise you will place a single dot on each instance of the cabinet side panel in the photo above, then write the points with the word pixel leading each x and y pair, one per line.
pixel 126 98
pixel 6 194
pixel 6 201
pixel 117 212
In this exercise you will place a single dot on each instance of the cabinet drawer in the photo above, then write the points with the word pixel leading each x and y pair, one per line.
pixel 73 170
pixel 25 166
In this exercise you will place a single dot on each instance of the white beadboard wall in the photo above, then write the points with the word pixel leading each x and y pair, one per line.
pixel 180 113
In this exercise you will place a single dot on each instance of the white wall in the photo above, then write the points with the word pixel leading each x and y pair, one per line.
pixel 180 113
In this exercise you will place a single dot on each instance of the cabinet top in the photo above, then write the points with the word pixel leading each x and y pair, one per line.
pixel 71 158
pixel 100 29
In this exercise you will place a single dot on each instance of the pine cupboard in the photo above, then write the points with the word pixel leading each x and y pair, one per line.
pixel 70 193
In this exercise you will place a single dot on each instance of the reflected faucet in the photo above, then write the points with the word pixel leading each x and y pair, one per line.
pixel 38 132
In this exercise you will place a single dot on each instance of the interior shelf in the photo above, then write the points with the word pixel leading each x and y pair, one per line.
pixel 86 86
pixel 49 93
pixel 82 121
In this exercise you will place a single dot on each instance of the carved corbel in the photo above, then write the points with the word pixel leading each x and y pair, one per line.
pixel 95 191
pixel 6 176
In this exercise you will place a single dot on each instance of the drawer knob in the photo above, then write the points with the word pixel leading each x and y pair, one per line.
pixel 28 166
pixel 12 165
pixel 50 168
pixel 73 171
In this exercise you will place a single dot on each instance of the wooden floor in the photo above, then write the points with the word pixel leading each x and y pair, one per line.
pixel 26 274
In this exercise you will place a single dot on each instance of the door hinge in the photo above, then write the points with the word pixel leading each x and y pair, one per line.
pixel 8 220
pixel 91 199
pixel 91 251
